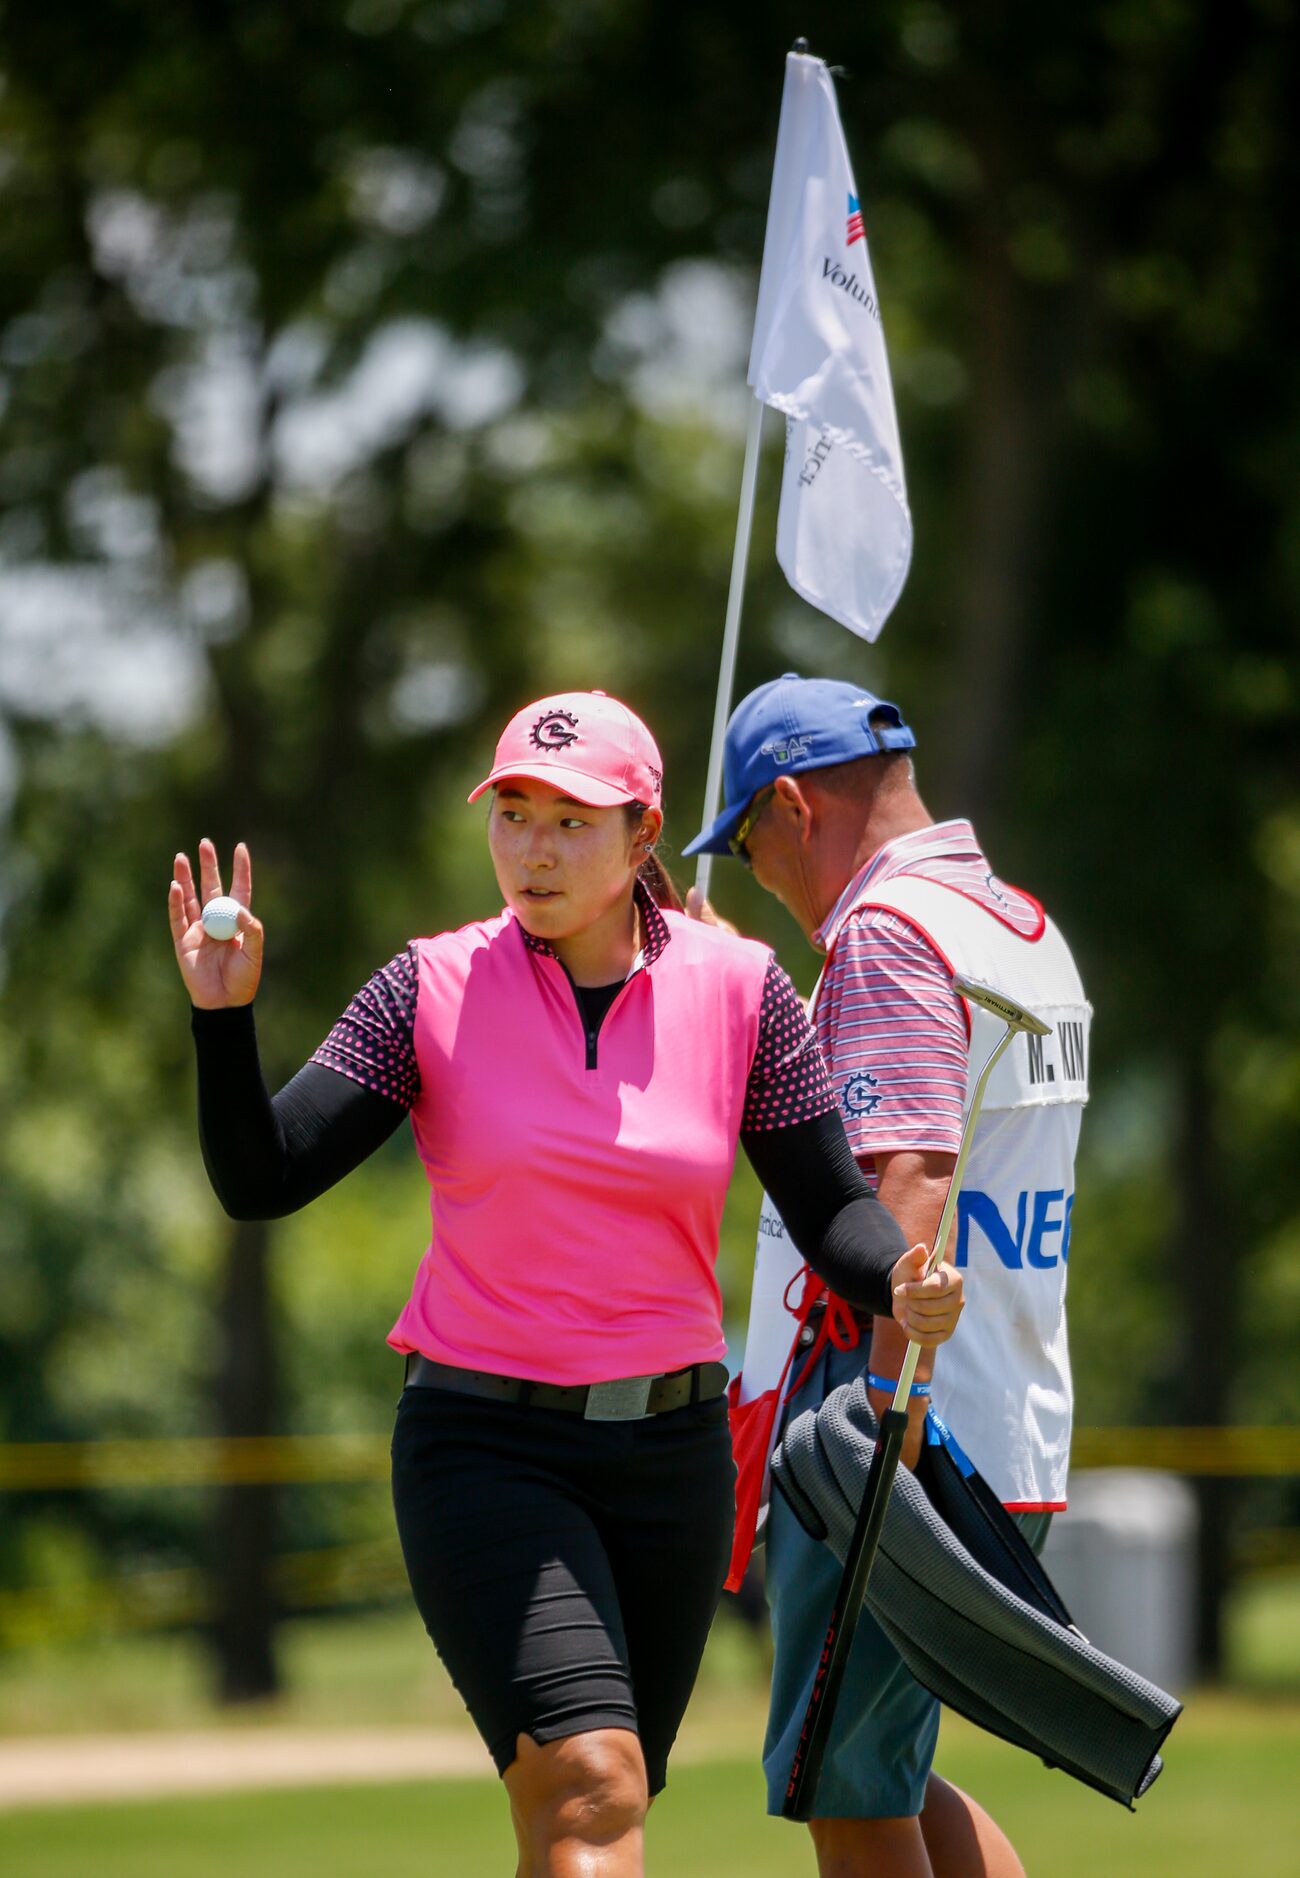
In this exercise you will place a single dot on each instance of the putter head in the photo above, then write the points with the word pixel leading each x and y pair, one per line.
pixel 1000 1004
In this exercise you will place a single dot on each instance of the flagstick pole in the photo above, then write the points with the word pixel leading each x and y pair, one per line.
pixel 731 634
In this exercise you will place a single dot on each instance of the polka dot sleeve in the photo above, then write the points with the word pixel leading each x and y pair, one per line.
pixel 787 1079
pixel 373 1043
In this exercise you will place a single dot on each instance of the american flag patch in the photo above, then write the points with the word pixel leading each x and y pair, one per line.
pixel 855 231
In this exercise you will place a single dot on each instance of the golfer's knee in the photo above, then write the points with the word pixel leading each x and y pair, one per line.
pixel 589 1787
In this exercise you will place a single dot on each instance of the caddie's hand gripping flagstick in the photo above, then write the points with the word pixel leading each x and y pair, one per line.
pixel 801 1788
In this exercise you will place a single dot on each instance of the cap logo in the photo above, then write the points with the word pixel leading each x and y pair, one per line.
pixel 787 749
pixel 554 730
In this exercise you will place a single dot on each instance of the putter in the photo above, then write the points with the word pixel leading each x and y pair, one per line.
pixel 801 1788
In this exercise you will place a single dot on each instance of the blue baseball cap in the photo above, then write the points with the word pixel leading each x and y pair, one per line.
pixel 793 724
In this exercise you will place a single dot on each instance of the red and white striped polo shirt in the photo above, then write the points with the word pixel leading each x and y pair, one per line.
pixel 890 1026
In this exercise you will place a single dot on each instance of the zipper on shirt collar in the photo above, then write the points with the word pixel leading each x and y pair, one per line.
pixel 655 928
pixel 592 1037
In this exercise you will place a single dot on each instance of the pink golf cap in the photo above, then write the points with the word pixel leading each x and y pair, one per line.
pixel 585 744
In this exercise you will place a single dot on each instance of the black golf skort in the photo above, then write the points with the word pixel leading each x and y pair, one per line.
pixel 566 1570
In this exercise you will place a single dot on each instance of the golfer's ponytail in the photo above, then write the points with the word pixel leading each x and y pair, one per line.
pixel 663 887
pixel 652 873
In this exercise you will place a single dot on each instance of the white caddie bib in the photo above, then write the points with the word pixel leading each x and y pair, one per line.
pixel 1002 1383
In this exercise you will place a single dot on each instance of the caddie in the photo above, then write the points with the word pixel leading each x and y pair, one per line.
pixel 822 803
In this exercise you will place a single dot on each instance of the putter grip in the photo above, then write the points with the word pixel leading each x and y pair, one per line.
pixel 810 1751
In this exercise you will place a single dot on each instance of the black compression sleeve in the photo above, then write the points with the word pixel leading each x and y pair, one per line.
pixel 265 1157
pixel 848 1237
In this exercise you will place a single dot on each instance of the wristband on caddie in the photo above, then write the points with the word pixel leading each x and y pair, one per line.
pixel 890 1383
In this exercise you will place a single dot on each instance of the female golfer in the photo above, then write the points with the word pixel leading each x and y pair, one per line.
pixel 577 1071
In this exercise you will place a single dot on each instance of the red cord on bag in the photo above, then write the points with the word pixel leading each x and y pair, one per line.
pixel 839 1326
pixel 753 1423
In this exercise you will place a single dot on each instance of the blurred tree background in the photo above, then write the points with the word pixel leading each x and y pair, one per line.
pixel 368 368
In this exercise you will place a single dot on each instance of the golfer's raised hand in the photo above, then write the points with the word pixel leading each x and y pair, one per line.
pixel 217 973
pixel 927 1308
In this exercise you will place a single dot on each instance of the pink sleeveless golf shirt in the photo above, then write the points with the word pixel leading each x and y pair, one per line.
pixel 576 1209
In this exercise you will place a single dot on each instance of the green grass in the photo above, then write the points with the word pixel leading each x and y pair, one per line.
pixel 458 1826
pixel 1263 1632
pixel 1225 1800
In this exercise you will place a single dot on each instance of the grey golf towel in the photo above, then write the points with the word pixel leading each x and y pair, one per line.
pixel 982 1628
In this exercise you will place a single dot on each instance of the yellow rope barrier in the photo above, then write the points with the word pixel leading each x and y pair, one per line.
pixel 1243 1452
pixel 251 1460
pixel 283 1460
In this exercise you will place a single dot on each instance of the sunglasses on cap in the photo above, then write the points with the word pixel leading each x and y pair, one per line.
pixel 745 827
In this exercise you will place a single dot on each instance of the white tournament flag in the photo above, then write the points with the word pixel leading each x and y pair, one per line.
pixel 844 537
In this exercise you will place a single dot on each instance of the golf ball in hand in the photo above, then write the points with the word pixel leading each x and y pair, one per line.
pixel 221 917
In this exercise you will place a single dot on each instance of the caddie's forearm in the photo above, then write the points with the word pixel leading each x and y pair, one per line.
pixel 913 1184
pixel 889 1345
pixel 826 1206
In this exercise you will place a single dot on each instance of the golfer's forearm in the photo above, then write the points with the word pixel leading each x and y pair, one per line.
pixel 266 1158
pixel 846 1235
pixel 857 1254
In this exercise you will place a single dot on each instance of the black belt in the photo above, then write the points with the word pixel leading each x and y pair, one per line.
pixel 628 1398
